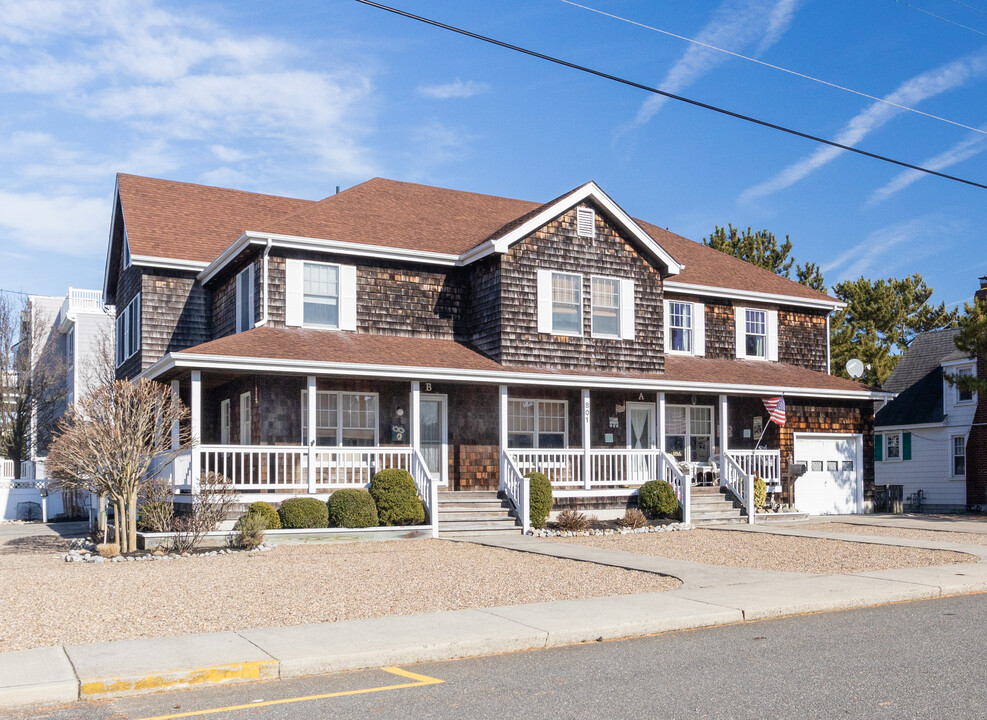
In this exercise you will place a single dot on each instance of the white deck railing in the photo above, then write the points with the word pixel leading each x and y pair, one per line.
pixel 517 488
pixel 6 469
pixel 765 464
pixel 85 300
pixel 739 482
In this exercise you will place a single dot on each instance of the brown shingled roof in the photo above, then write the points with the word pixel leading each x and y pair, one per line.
pixel 328 346
pixel 193 222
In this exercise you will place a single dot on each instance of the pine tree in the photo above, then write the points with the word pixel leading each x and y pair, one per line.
pixel 761 248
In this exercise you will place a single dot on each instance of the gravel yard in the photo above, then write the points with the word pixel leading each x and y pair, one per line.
pixel 932 535
pixel 772 552
pixel 47 601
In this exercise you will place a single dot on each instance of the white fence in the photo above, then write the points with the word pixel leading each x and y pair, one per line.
pixel 27 497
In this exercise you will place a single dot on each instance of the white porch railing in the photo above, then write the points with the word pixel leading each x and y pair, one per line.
pixel 428 489
pixel 6 469
pixel 765 464
pixel 563 468
pixel 517 488
pixel 739 482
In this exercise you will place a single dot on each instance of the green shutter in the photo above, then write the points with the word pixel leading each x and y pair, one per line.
pixel 906 446
pixel 878 447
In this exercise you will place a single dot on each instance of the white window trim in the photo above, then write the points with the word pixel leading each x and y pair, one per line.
pixel 295 295
pixel 956 391
pixel 250 417
pixel 620 309
pixel 901 447
pixel 698 327
pixel 123 336
pixel 551 302
pixel 224 422
pixel 245 276
pixel 688 429
pixel 952 457
pixel 536 431
pixel 770 334
pixel 303 430
pixel 339 295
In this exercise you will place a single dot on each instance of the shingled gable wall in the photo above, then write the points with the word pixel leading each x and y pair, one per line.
pixel 556 246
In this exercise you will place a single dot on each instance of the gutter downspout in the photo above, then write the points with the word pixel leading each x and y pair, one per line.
pixel 267 251
pixel 829 356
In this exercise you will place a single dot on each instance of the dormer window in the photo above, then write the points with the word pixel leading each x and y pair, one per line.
pixel 585 222
pixel 964 396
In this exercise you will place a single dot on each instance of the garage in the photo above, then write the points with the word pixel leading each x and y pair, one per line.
pixel 833 483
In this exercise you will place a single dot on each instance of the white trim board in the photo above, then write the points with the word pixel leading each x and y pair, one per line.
pixel 673 286
pixel 175 361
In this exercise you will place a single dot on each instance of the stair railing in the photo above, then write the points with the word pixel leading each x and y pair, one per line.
pixel 674 476
pixel 740 483
pixel 517 488
pixel 428 489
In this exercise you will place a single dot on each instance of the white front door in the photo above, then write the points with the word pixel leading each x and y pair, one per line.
pixel 640 436
pixel 833 482
pixel 434 443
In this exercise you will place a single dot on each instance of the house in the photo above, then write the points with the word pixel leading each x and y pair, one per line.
pixel 61 345
pixel 470 339
pixel 921 440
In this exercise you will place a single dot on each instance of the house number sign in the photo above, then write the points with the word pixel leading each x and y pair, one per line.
pixel 427 387
pixel 586 409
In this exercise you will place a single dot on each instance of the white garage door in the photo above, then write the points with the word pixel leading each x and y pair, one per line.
pixel 833 482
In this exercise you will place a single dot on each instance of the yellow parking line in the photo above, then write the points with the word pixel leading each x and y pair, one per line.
pixel 419 681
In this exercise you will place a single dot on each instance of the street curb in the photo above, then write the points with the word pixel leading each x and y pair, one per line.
pixel 178 679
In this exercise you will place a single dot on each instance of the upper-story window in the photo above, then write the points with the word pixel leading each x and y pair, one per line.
pixel 606 306
pixel 964 396
pixel 567 304
pixel 757 334
pixel 537 424
pixel 320 295
pixel 245 299
pixel 128 330
pixel 685 327
pixel 560 305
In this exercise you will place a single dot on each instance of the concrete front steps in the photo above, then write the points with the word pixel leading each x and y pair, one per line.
pixel 475 512
pixel 713 506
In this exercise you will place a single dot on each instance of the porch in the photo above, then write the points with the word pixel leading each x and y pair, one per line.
pixel 590 443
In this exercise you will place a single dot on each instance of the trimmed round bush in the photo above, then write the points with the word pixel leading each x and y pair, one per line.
pixel 303 513
pixel 268 512
pixel 540 504
pixel 658 498
pixel 352 508
pixel 394 492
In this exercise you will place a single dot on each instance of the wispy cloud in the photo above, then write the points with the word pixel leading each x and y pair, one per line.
pixel 735 25
pixel 911 92
pixel 67 223
pixel 882 251
pixel 457 89
pixel 963 150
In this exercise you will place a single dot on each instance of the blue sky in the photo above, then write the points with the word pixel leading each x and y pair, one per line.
pixel 297 100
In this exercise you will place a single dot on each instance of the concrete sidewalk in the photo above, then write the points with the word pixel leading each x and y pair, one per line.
pixel 710 595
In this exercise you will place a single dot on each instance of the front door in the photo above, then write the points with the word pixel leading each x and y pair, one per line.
pixel 434 436
pixel 640 436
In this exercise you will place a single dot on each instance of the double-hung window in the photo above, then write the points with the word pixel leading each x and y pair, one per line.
pixel 893 446
pixel 245 299
pixel 321 303
pixel 685 327
pixel 959 456
pixel 757 333
pixel 128 330
pixel 606 306
pixel 537 424
pixel 342 419
pixel 567 304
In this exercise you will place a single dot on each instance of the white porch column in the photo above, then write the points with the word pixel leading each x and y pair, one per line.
pixel 660 425
pixel 587 466
pixel 724 432
pixel 195 466
pixel 311 397
pixel 416 414
pixel 503 433
pixel 174 401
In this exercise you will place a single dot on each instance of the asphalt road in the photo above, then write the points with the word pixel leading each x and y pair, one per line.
pixel 915 660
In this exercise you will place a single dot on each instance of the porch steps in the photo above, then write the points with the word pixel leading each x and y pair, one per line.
pixel 713 506
pixel 475 512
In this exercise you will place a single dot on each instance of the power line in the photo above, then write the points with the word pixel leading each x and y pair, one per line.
pixel 944 19
pixel 772 66
pixel 672 96
pixel 972 7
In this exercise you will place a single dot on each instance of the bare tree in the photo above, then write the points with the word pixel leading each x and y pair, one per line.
pixel 98 368
pixel 32 378
pixel 116 441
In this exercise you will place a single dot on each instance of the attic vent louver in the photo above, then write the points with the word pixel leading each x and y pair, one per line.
pixel 585 222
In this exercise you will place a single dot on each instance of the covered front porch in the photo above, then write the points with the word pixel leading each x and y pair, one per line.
pixel 311 435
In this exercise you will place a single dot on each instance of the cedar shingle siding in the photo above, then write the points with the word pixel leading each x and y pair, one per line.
pixel 175 314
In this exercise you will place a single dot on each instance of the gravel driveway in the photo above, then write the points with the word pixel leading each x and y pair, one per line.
pixel 47 601
pixel 932 535
pixel 773 552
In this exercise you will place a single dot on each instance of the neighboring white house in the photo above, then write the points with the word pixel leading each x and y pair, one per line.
pixel 72 329
pixel 920 436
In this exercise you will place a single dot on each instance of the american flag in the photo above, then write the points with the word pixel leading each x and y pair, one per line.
pixel 776 409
